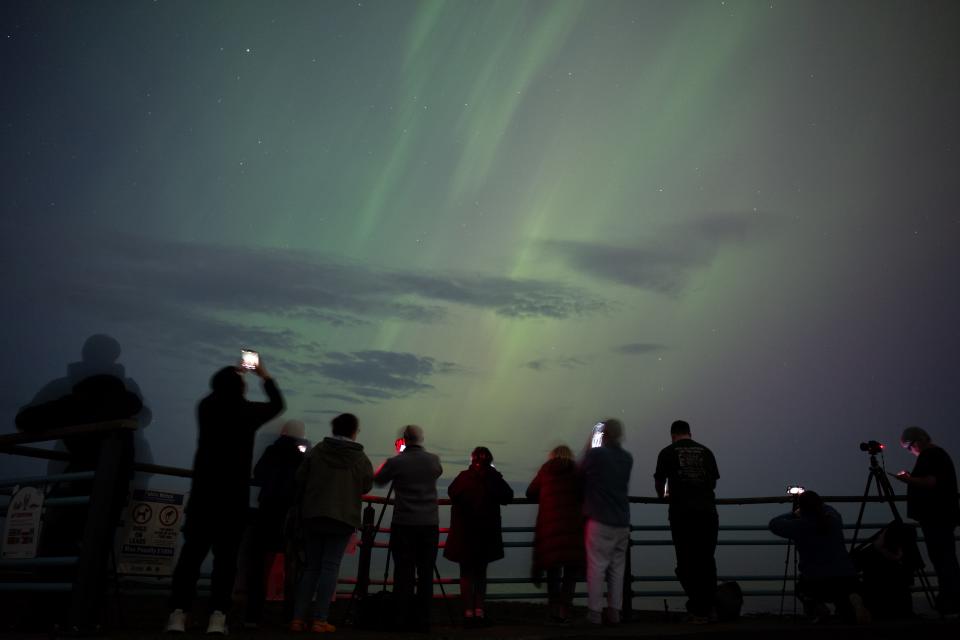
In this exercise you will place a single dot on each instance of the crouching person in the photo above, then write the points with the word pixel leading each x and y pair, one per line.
pixel 827 574
pixel 330 481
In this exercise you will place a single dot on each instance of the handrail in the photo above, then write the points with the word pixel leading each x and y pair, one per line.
pixel 9 444
pixel 59 433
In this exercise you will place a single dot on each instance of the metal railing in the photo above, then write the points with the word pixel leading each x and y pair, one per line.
pixel 90 566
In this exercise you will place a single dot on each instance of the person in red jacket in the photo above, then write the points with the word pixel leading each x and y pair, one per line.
pixel 558 537
pixel 475 539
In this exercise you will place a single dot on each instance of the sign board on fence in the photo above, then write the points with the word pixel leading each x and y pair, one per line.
pixel 21 531
pixel 151 530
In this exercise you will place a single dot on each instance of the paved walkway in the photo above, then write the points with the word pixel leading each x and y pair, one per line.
pixel 523 621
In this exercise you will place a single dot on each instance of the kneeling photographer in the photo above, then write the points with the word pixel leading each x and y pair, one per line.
pixel 827 574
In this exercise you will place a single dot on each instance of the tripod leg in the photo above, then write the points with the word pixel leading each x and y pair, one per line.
pixel 443 593
pixel 863 505
pixel 786 571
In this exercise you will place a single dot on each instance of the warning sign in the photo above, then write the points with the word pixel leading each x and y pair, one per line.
pixel 21 530
pixel 148 545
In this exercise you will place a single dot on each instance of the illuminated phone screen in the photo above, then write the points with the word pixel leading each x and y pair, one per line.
pixel 597 439
pixel 249 359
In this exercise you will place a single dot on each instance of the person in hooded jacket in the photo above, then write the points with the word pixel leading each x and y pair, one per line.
pixel 276 471
pixel 219 502
pixel 558 538
pixel 475 538
pixel 330 484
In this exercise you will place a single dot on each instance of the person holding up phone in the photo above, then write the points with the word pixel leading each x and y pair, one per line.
pixel 220 492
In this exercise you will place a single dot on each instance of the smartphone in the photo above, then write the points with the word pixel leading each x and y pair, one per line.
pixel 597 439
pixel 249 359
pixel 302 448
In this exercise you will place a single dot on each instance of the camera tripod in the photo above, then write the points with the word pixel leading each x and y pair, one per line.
pixel 368 539
pixel 786 572
pixel 877 475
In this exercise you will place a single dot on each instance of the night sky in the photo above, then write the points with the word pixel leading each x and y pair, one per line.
pixel 502 221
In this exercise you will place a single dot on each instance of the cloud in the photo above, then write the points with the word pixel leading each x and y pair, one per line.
pixel 639 348
pixel 563 362
pixel 666 262
pixel 114 270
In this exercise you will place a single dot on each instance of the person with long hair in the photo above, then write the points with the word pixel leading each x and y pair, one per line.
pixel 476 539
pixel 558 538
pixel 827 574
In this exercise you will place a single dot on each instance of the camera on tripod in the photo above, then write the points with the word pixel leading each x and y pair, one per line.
pixel 872 447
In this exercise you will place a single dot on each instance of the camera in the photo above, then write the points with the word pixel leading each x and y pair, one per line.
pixel 872 447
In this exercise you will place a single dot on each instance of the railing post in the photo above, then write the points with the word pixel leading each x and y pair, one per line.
pixel 109 483
pixel 368 535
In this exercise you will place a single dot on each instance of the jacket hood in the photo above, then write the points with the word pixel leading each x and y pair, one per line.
pixel 336 453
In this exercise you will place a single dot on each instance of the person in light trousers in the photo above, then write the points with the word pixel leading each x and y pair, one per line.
pixel 605 470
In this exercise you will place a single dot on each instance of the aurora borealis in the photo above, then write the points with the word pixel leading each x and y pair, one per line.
pixel 502 221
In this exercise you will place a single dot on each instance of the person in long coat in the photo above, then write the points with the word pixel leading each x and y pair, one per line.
pixel 558 538
pixel 475 539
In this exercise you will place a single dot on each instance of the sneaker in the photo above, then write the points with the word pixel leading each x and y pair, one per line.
pixel 177 622
pixel 611 616
pixel 594 617
pixel 322 626
pixel 217 624
pixel 297 626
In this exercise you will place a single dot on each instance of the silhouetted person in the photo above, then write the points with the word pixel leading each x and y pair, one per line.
pixel 687 475
pixel 932 501
pixel 216 513
pixel 476 538
pixel 99 357
pixel 66 531
pixel 97 398
pixel 276 471
pixel 605 471
pixel 558 536
pixel 827 574
pixel 887 563
pixel 414 532
pixel 331 481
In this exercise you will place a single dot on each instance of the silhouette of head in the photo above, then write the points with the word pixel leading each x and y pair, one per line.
pixel 481 457
pixel 412 434
pixel 914 436
pixel 346 425
pixel 294 429
pixel 563 452
pixel 100 348
pixel 680 428
pixel 228 382
pixel 810 504
pixel 612 432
